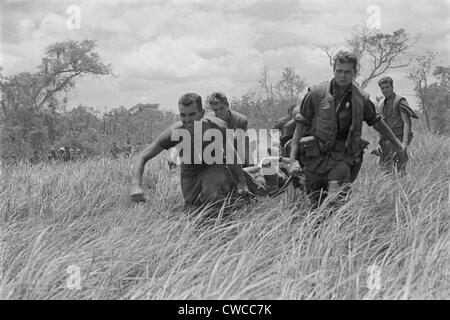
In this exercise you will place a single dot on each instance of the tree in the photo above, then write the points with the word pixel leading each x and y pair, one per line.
pixel 419 73
pixel 290 87
pixel 29 101
pixel 266 84
pixel 377 52
pixel 63 64
pixel 261 106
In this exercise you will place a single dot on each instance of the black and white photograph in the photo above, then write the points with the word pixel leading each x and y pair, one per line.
pixel 225 156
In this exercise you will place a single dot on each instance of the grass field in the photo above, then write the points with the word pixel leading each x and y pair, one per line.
pixel 58 220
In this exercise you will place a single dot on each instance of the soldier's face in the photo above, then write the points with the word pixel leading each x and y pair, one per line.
pixel 344 73
pixel 220 111
pixel 189 114
pixel 386 89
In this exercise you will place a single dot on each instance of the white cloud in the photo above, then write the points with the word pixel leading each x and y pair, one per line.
pixel 161 49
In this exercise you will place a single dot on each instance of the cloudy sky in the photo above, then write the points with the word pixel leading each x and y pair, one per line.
pixel 162 49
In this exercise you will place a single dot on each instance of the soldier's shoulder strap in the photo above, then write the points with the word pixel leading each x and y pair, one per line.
pixel 318 93
pixel 405 107
pixel 381 104
pixel 240 119
pixel 320 90
pixel 357 90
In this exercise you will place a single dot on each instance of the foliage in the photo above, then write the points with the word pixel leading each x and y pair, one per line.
pixel 33 116
pixel 263 105
pixel 434 97
pixel 30 101
pixel 377 52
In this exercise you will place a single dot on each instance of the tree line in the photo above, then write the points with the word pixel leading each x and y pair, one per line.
pixel 33 115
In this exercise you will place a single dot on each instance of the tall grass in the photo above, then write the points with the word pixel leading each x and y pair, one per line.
pixel 79 214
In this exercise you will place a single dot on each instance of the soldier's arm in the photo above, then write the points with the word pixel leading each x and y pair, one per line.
pixel 373 119
pixel 303 120
pixel 298 134
pixel 147 154
pixel 387 133
pixel 406 128
pixel 236 169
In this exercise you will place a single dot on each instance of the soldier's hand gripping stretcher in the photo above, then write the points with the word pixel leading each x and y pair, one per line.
pixel 272 176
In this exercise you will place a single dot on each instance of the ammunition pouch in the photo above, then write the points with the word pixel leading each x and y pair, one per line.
pixel 309 147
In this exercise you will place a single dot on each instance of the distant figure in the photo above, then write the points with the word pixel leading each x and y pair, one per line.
pixel 68 155
pixel 35 159
pixel 71 154
pixel 397 114
pixel 127 149
pixel 114 150
pixel 77 154
pixel 137 147
pixel 63 154
pixel 51 154
pixel 13 159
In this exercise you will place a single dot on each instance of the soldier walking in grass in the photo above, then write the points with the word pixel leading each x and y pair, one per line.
pixel 35 158
pixel 127 149
pixel 63 154
pixel 236 121
pixel 397 114
pixel 333 113
pixel 264 178
pixel 51 155
pixel 200 182
pixel 114 150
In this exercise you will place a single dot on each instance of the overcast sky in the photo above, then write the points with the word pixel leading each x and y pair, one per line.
pixel 162 49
